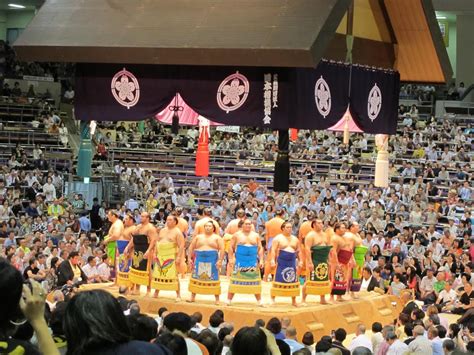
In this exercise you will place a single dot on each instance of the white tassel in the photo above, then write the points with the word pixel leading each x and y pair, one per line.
pixel 381 164
pixel 92 127
pixel 345 138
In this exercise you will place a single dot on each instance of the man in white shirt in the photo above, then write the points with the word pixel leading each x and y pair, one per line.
pixel 447 155
pixel 432 233
pixel 192 133
pixel 361 340
pixel 409 171
pixel 138 170
pixel 377 337
pixel 300 203
pixel 291 340
pixel 432 153
pixel 90 270
pixel 447 297
pixel 118 168
pixel 37 152
pixel 342 200
pixel 407 121
pixel 421 345
pixel 436 249
pixel 363 143
pixel 236 188
pixel 304 183
pixel 379 240
pixel 272 137
pixel 103 269
pixel 427 285
pixel 436 341
pixel 396 346
pixel 167 181
pixel 204 184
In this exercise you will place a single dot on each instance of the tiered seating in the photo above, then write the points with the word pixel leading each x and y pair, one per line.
pixel 224 165
pixel 17 129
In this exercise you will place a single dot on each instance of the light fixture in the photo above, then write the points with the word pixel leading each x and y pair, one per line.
pixel 16 6
pixel 441 17
pixel 87 180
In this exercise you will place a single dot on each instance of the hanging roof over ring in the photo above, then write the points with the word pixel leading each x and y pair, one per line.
pixel 199 32
pixel 399 34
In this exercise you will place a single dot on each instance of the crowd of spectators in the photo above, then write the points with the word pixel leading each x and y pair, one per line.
pixel 94 322
pixel 418 230
pixel 12 67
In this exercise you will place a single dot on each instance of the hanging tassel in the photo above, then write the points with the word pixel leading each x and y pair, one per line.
pixel 202 152
pixel 345 138
pixel 92 128
pixel 281 175
pixel 381 164
pixel 293 134
pixel 175 123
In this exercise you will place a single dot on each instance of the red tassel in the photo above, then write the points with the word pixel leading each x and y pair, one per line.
pixel 293 134
pixel 202 153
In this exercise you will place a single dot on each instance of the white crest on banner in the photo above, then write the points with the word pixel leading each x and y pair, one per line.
pixel 322 96
pixel 374 102
pixel 125 88
pixel 233 92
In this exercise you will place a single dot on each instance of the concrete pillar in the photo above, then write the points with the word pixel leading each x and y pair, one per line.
pixel 465 49
pixel 3 25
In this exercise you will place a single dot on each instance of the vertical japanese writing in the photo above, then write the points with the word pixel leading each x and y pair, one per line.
pixel 275 91
pixel 267 98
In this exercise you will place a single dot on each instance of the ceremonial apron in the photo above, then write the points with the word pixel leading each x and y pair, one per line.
pixel 140 269
pixel 111 250
pixel 286 281
pixel 245 277
pixel 339 285
pixel 359 256
pixel 165 275
pixel 123 264
pixel 318 282
pixel 205 276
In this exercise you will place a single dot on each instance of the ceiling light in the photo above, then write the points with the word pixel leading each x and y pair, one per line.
pixel 441 17
pixel 16 6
